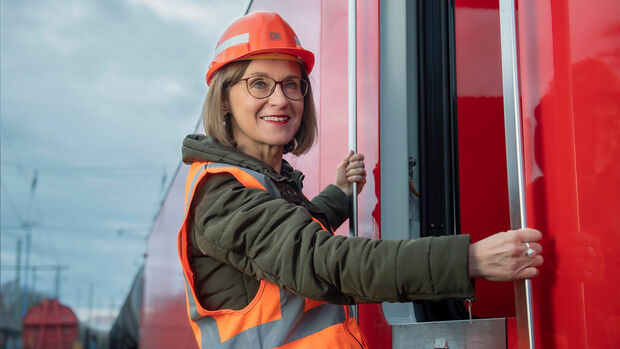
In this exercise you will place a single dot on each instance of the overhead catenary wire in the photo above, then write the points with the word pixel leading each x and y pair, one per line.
pixel 140 171
pixel 27 226
pixel 6 139
pixel 86 169
pixel 11 203
pixel 78 228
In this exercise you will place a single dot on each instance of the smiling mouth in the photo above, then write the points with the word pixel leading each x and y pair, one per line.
pixel 275 118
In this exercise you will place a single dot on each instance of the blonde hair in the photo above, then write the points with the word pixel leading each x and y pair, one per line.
pixel 214 113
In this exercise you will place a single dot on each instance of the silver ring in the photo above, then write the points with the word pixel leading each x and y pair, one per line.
pixel 530 251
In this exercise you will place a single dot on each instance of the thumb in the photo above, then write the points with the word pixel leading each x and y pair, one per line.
pixel 345 162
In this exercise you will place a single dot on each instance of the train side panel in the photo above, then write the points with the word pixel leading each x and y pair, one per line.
pixel 570 69
pixel 569 56
pixel 164 322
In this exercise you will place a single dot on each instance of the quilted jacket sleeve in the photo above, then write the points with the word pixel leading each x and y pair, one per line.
pixel 335 204
pixel 270 239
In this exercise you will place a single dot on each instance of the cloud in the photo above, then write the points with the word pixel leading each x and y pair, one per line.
pixel 204 16
pixel 97 96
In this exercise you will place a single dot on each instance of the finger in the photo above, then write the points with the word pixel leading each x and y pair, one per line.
pixel 527 273
pixel 536 247
pixel 525 246
pixel 538 261
pixel 355 164
pixel 346 160
pixel 356 171
pixel 357 157
pixel 532 261
pixel 357 179
pixel 529 234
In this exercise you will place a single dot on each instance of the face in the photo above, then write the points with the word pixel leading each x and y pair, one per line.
pixel 268 122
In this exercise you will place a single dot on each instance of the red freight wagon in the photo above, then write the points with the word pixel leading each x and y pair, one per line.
pixel 49 325
pixel 499 115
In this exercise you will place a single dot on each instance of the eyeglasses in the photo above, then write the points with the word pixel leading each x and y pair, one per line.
pixel 263 86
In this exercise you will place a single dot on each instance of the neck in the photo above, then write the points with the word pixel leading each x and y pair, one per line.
pixel 269 154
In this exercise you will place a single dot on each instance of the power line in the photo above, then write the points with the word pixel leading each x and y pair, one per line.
pixel 11 203
pixel 81 170
pixel 58 269
pixel 10 145
pixel 73 228
pixel 39 267
pixel 32 202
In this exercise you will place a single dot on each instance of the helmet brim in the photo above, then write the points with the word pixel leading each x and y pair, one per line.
pixel 306 57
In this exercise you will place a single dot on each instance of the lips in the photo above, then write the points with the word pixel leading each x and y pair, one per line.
pixel 276 118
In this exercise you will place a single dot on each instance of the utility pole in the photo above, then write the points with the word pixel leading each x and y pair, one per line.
pixel 90 317
pixel 59 269
pixel 27 225
pixel 90 304
pixel 28 298
pixel 18 272
pixel 33 281
pixel 57 283
pixel 18 261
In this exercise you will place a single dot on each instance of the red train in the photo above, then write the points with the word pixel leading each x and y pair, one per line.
pixel 49 325
pixel 471 123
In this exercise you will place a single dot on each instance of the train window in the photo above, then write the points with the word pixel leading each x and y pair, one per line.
pixel 418 135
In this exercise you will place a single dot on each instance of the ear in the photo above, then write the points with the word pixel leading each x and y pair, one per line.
pixel 226 106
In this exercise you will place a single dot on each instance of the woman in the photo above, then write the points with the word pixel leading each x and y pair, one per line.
pixel 262 266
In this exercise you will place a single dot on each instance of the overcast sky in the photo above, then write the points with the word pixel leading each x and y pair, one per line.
pixel 96 97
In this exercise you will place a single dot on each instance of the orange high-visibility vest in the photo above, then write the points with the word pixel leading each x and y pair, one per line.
pixel 275 318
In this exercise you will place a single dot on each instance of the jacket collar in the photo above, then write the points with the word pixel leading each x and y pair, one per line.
pixel 198 147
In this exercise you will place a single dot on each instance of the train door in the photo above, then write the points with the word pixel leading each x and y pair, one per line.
pixel 443 146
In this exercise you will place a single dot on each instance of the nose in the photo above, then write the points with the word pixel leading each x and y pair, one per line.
pixel 278 97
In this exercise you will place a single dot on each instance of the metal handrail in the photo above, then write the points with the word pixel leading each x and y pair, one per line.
pixel 514 161
pixel 352 121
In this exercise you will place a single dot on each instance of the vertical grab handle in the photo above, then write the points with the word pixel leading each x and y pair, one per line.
pixel 352 121
pixel 514 161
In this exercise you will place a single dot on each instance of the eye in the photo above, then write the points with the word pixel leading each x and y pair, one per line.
pixel 258 83
pixel 291 85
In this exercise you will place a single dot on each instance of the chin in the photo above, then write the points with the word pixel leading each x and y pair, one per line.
pixel 281 141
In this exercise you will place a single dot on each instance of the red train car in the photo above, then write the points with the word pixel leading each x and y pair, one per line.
pixel 498 116
pixel 49 325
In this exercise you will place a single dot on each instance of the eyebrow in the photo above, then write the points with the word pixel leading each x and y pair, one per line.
pixel 291 76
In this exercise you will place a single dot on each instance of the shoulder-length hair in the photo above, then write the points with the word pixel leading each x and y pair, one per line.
pixel 214 112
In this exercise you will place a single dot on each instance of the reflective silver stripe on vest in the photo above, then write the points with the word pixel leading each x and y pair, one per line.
pixel 294 324
pixel 191 188
pixel 261 178
pixel 235 40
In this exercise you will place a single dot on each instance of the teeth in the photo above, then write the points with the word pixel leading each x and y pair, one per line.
pixel 275 118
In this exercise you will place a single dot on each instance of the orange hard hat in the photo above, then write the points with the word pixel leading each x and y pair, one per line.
pixel 255 34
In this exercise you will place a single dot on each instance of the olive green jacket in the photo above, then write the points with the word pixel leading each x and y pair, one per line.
pixel 241 235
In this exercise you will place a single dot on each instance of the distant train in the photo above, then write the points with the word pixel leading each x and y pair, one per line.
pixel 434 105
pixel 50 325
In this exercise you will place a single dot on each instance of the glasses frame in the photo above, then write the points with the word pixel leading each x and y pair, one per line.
pixel 247 86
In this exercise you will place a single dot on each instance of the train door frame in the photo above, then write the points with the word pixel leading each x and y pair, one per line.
pixel 422 95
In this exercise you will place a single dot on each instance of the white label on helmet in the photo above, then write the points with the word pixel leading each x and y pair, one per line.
pixel 235 40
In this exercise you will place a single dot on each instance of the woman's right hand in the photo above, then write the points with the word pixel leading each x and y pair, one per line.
pixel 351 170
pixel 503 256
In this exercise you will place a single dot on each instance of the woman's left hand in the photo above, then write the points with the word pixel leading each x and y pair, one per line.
pixel 350 170
pixel 506 256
